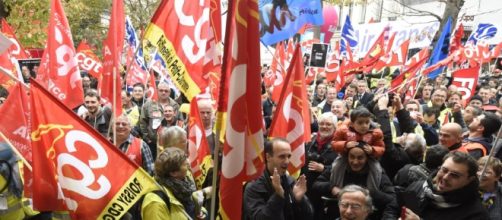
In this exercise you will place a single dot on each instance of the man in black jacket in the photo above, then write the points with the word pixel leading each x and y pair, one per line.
pixel 275 195
pixel 451 193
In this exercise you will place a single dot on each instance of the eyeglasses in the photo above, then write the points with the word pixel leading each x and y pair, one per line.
pixel 353 206
pixel 453 174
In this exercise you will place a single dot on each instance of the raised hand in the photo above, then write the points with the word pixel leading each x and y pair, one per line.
pixel 314 166
pixel 276 183
pixel 300 188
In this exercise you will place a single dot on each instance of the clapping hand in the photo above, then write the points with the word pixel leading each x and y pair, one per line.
pixel 300 188
pixel 276 183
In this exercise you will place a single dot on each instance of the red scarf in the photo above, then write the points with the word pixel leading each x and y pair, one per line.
pixel 321 143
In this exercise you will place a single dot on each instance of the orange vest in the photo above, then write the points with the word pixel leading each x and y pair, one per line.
pixel 471 146
pixel 134 151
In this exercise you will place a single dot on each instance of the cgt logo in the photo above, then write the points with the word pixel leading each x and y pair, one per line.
pixel 83 179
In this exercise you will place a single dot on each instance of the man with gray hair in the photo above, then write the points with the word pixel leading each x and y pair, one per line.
pixel 152 114
pixel 173 136
pixel 355 203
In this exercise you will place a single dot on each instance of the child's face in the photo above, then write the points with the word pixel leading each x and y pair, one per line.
pixel 361 125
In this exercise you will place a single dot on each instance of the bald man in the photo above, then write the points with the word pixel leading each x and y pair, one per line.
pixel 450 136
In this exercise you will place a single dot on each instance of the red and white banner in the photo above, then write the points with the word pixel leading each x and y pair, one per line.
pixel 60 73
pixel 243 150
pixel 292 115
pixel 396 57
pixel 199 154
pixel 88 61
pixel 75 168
pixel 16 50
pixel 466 80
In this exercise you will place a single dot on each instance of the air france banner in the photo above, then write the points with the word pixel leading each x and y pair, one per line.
pixel 420 35
pixel 280 20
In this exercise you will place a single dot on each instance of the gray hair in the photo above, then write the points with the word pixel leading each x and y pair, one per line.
pixel 417 142
pixel 170 136
pixel 328 116
pixel 355 188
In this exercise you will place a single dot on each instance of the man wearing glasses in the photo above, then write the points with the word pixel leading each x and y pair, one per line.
pixel 355 203
pixel 451 193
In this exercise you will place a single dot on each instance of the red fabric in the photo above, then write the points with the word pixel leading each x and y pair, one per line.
pixel 60 73
pixel 112 52
pixel 75 168
pixel 466 80
pixel 456 42
pixel 292 115
pixel 7 65
pixel 88 60
pixel 198 147
pixel 16 49
pixel 134 151
pixel 243 150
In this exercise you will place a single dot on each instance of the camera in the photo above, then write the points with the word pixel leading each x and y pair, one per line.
pixel 391 99
pixel 314 156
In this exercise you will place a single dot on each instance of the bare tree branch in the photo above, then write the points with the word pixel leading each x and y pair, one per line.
pixel 414 10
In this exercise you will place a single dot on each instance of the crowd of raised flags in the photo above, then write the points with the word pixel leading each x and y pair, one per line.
pixel 184 47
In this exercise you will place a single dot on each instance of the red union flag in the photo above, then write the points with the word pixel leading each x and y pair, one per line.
pixel 15 49
pixel 75 168
pixel 292 120
pixel 7 66
pixel 198 148
pixel 62 73
pixel 243 150
pixel 180 32
pixel 88 61
pixel 466 81
pixel 112 50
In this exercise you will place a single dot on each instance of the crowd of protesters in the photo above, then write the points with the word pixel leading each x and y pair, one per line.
pixel 372 155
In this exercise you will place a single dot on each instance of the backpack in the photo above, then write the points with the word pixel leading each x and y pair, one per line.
pixel 135 210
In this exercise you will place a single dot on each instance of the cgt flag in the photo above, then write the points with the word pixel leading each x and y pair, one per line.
pixel 75 168
pixel 199 154
pixel 59 71
pixel 180 31
pixel 243 150
pixel 292 120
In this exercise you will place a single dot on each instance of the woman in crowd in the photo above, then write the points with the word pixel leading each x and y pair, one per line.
pixel 356 166
pixel 489 186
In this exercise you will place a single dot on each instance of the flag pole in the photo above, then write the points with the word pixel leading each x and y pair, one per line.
pixel 114 108
pixel 492 151
pixel 14 78
pixel 28 165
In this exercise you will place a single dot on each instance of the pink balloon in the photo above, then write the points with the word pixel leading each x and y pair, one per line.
pixel 330 17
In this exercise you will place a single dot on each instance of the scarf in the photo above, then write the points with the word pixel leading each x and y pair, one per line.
pixel 182 190
pixel 341 165
pixel 448 199
pixel 487 199
pixel 321 142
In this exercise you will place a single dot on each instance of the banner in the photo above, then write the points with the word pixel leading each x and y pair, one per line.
pixel 61 75
pixel 292 115
pixel 466 80
pixel 420 35
pixel 280 20
pixel 15 49
pixel 180 32
pixel 243 149
pixel 75 168
pixel 330 17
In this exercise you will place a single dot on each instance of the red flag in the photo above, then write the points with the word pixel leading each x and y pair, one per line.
pixel 88 61
pixel 411 68
pixel 466 80
pixel 279 67
pixel 198 149
pixel 243 150
pixel 292 119
pixel 74 167
pixel 396 57
pixel 61 75
pixel 181 33
pixel 15 118
pixel 456 42
pixel 112 50
pixel 16 50
pixel 376 51
pixel 7 66
pixel 152 92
